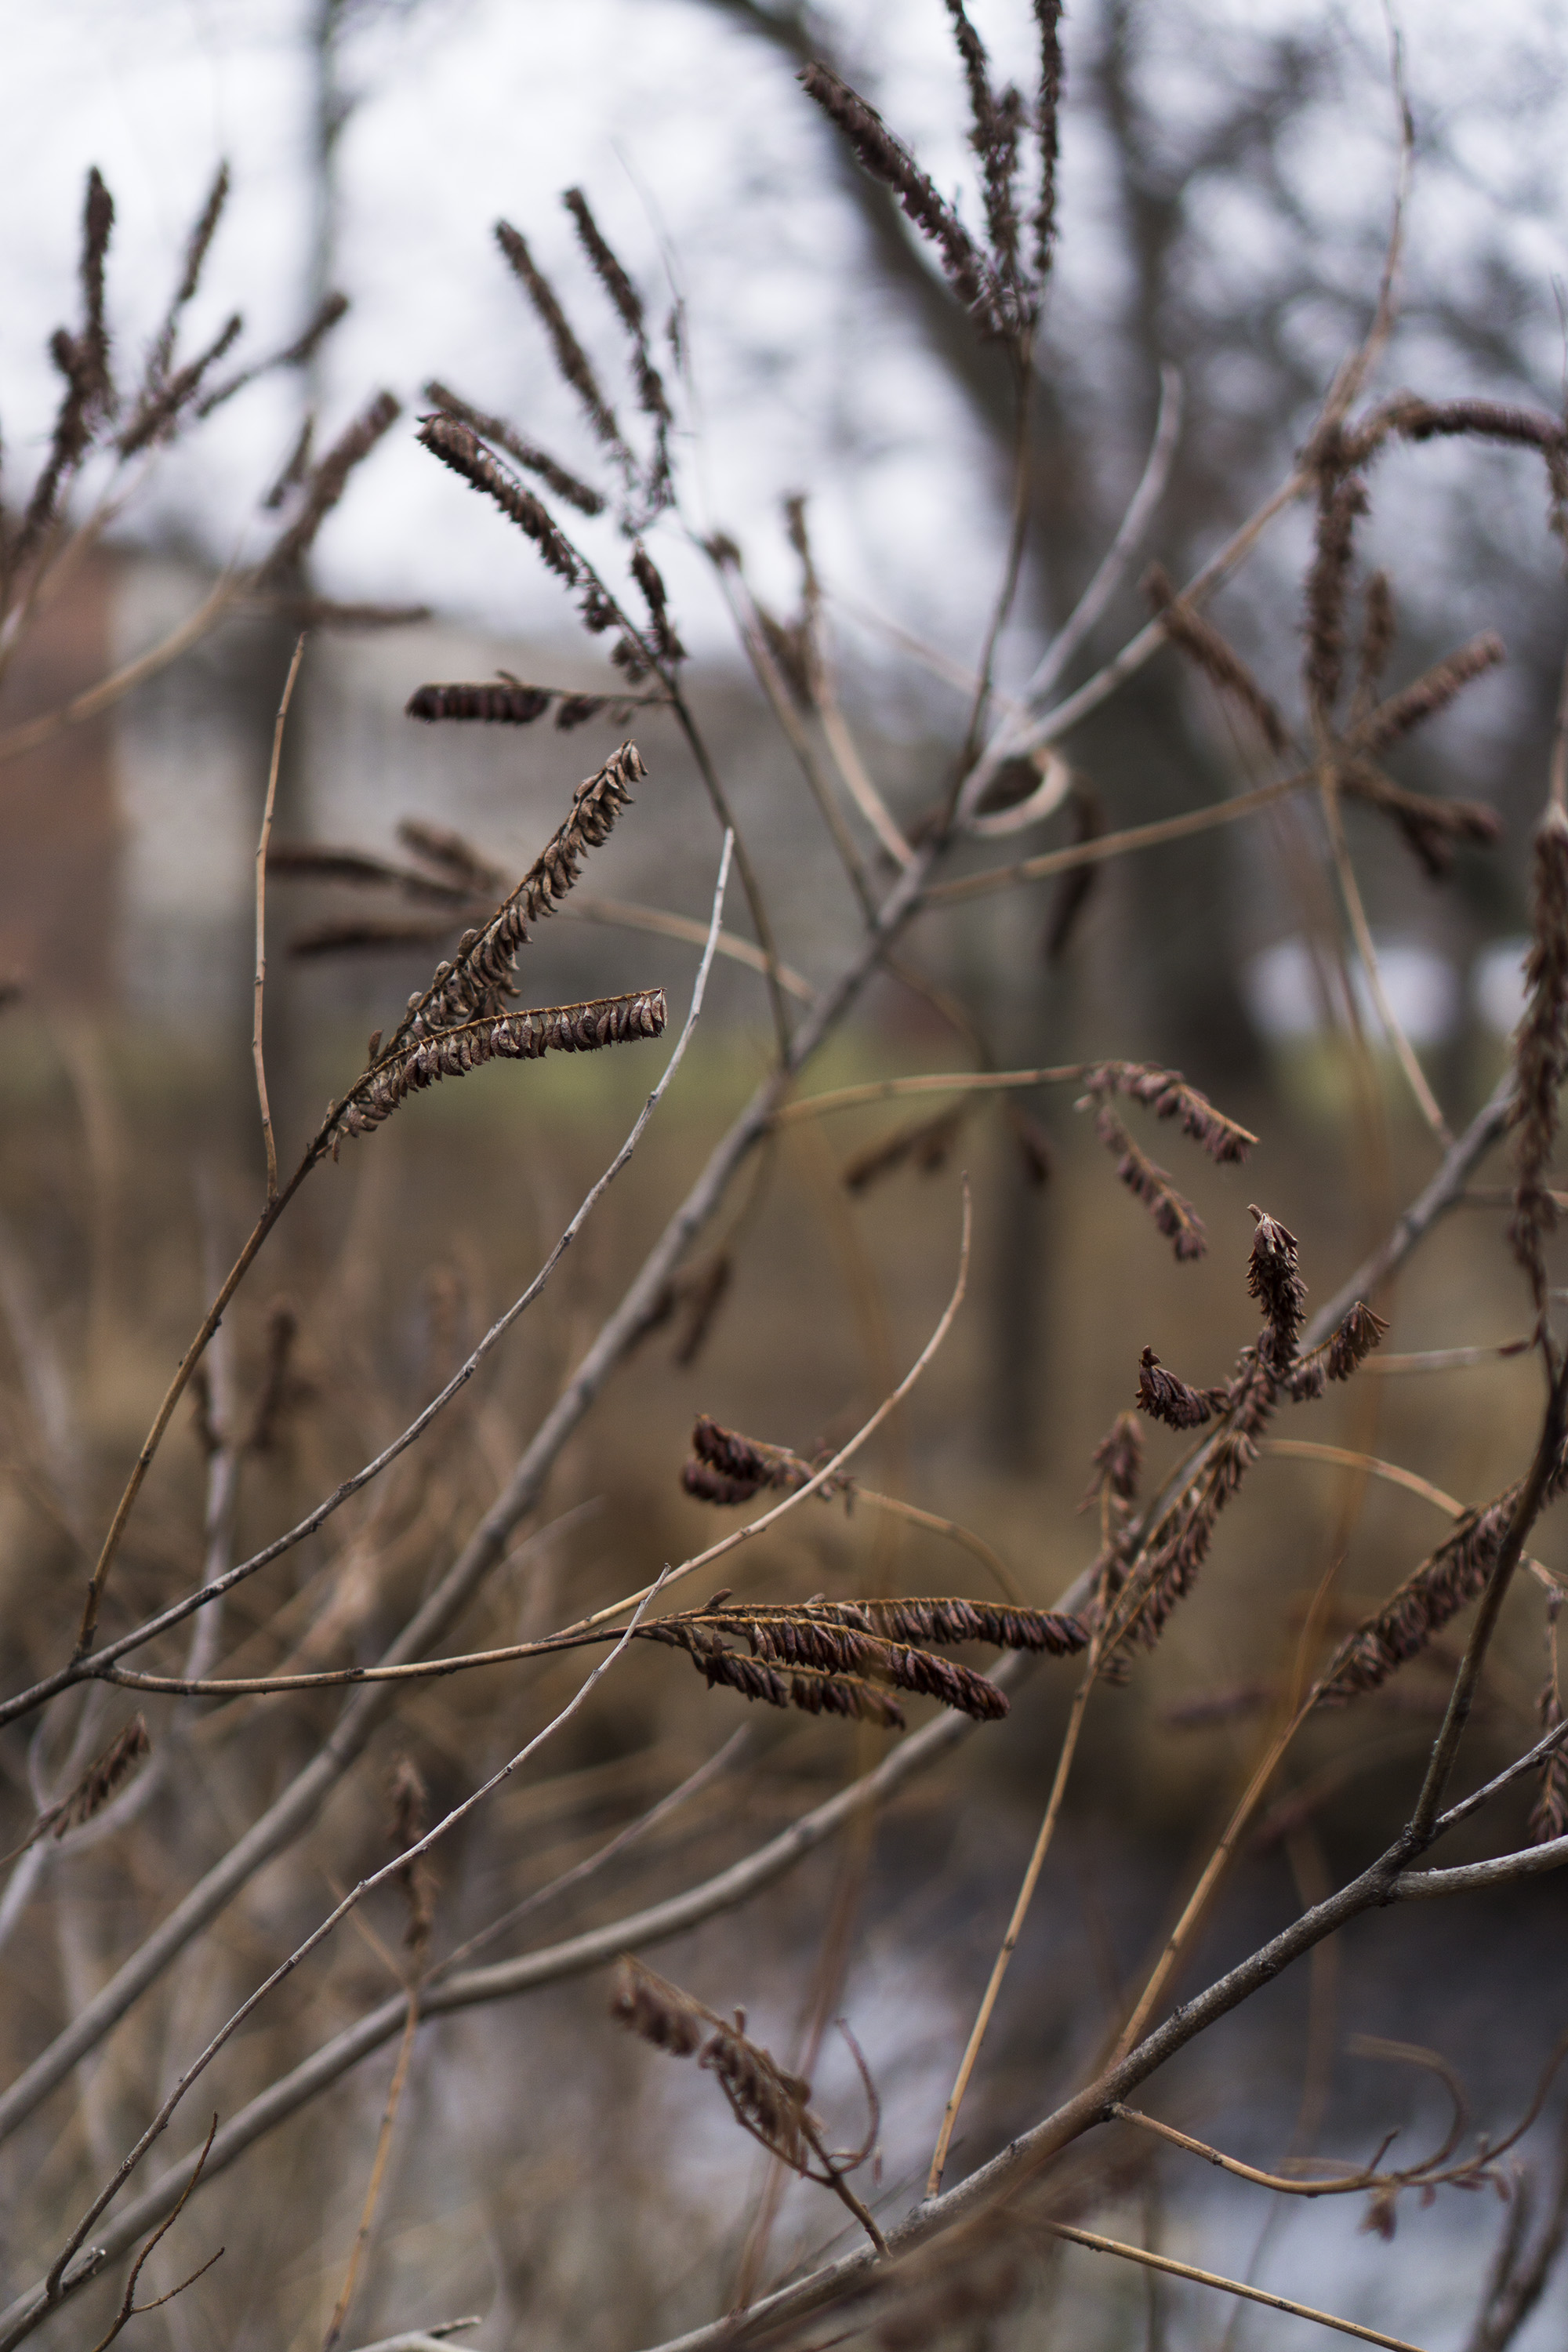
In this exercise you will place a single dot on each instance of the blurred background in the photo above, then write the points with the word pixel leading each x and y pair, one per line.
pixel 1227 182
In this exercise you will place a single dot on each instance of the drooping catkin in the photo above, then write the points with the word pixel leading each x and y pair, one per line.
pixel 1549 1814
pixel 451 856
pixel 104 1778
pixel 297 354
pixel 1431 828
pixel 1074 888
pixel 1446 1581
pixel 726 1467
pixel 1209 651
pixel 460 446
pixel 555 476
pixel 508 702
pixel 889 160
pixel 329 479
pixel 1432 692
pixel 1165 1398
pixel 926 1143
pixel 1167 1094
pixel 1541 1052
pixel 570 357
pixel 849 1657
pixel 771 2103
pixel 410 1802
pixel 1173 1216
pixel 1348 1346
pixel 652 398
pixel 1118 1461
pixel 451 1053
pixel 318 861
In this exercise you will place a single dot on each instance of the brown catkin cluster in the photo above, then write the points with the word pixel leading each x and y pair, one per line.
pixel 1432 692
pixel 1432 828
pixel 1347 1346
pixel 889 160
pixel 104 1776
pixel 1450 1578
pixel 1209 651
pixel 510 1037
pixel 1173 1216
pixel 1165 1398
pixel 570 357
pixel 774 2105
pixel 1118 1463
pixel 1167 1094
pixel 509 703
pixel 1540 1051
pixel 329 480
pixel 555 476
pixel 481 976
pixel 460 446
pixel 1274 1279
pixel 726 1467
pixel 848 1657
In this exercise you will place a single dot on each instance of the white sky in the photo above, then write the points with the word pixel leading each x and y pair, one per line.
pixel 679 125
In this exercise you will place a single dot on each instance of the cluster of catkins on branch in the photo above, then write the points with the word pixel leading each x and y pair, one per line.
pixel 849 1657
pixel 459 1021
pixel 1141 1584
pixel 1167 1094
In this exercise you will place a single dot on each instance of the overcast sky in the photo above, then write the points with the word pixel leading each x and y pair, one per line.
pixel 688 133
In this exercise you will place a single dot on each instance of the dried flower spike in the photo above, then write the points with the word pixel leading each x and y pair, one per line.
pixel 1165 1398
pixel 1273 1280
pixel 1540 1051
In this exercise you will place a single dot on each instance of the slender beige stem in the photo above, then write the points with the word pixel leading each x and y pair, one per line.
pixel 377 2175
pixel 260 993
pixel 1116 845
pixel 948 1082
pixel 1174 2269
pixel 1361 931
pixel 1197 1903
pixel 1014 1929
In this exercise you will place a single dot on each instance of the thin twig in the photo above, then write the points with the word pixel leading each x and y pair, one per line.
pixel 1174 2269
pixel 260 983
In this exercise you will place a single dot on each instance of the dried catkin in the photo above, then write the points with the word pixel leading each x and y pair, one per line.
pixel 1540 1051
pixel 887 160
pixel 555 476
pixel 1220 663
pixel 458 446
pixel 108 1773
pixel 1348 1345
pixel 329 479
pixel 1446 1581
pixel 1341 499
pixel 1274 1280
pixel 570 356
pixel 482 976
pixel 510 1037
pixel 1173 1216
pixel 1165 1398
pixel 1167 1094
pixel 1432 692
